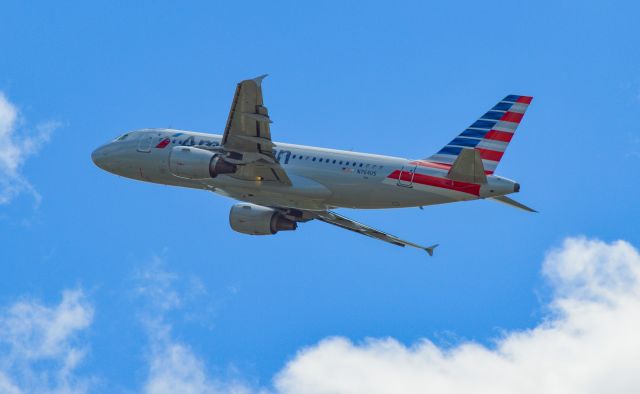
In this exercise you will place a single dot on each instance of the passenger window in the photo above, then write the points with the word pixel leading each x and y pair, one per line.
pixel 360 164
pixel 354 163
pixel 347 163
pixel 334 161
pixel 314 159
pixel 294 156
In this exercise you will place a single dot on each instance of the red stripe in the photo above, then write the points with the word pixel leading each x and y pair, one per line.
pixel 512 117
pixel 490 154
pixel 498 136
pixel 440 166
pixel 428 180
pixel 163 143
pixel 524 99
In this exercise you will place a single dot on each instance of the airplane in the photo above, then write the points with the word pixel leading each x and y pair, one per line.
pixel 280 185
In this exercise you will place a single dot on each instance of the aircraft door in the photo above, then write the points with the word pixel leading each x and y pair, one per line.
pixel 406 176
pixel 144 145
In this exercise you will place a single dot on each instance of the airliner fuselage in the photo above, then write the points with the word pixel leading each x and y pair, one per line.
pixel 281 185
pixel 321 178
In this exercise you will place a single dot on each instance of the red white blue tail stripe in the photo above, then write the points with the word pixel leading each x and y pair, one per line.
pixel 490 134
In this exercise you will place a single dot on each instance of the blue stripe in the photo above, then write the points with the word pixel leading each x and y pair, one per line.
pixel 511 97
pixel 450 150
pixel 483 124
pixel 474 133
pixel 495 115
pixel 502 106
pixel 465 142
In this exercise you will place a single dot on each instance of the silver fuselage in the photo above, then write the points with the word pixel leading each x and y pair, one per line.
pixel 321 178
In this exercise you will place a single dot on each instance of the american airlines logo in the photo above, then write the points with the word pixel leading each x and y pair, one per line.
pixel 162 144
pixel 189 141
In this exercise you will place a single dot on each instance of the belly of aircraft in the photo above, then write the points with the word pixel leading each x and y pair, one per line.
pixel 305 192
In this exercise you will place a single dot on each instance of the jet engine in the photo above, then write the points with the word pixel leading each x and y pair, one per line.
pixel 195 163
pixel 258 220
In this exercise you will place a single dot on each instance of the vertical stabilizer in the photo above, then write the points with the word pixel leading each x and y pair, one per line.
pixel 489 135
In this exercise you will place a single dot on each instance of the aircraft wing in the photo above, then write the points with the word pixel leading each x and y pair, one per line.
pixel 346 223
pixel 247 137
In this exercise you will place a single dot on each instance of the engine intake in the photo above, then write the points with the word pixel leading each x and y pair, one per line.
pixel 195 163
pixel 258 220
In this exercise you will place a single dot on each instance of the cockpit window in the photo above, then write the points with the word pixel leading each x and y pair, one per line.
pixel 122 137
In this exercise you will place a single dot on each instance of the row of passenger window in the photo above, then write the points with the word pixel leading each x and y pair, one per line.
pixel 335 161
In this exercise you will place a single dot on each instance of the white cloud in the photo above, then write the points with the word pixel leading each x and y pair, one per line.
pixel 173 367
pixel 16 147
pixel 158 287
pixel 588 343
pixel 39 347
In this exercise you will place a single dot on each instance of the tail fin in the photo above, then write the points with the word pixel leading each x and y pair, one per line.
pixel 490 134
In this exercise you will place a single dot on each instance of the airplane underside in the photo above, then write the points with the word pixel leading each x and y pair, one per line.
pixel 382 198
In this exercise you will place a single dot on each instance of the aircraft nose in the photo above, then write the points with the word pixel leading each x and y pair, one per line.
pixel 99 157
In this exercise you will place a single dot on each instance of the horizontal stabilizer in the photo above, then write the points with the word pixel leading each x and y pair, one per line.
pixel 513 203
pixel 468 167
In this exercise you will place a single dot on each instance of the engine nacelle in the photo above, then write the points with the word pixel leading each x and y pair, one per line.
pixel 258 220
pixel 194 163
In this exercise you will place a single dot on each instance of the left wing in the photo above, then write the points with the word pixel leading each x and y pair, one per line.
pixel 346 223
pixel 247 137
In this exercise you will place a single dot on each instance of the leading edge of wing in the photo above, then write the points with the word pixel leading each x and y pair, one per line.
pixel 348 224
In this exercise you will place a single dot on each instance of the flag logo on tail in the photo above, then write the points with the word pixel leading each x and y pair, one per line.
pixel 490 134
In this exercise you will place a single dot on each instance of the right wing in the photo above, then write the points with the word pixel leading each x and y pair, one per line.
pixel 346 223
pixel 247 129
pixel 247 136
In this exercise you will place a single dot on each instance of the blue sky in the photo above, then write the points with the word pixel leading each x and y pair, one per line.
pixel 398 79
